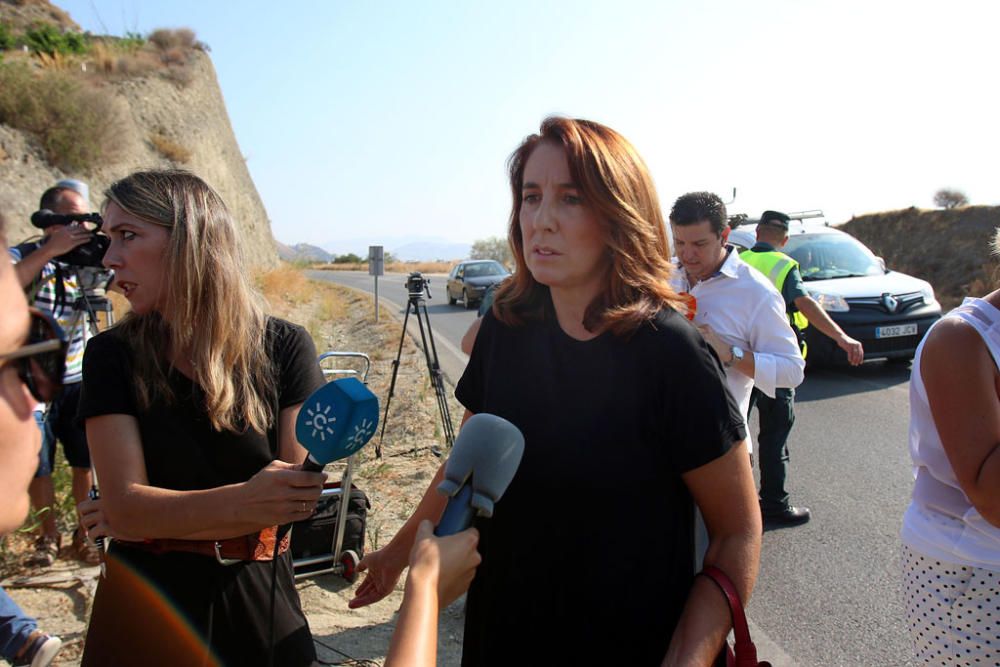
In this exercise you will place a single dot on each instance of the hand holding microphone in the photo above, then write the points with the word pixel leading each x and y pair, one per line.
pixel 282 493
pixel 482 464
pixel 446 563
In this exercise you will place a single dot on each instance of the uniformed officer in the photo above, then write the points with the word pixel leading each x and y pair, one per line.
pixel 777 414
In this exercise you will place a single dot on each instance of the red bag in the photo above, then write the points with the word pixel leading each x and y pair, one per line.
pixel 743 653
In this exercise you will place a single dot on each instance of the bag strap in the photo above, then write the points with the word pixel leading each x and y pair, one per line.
pixel 746 652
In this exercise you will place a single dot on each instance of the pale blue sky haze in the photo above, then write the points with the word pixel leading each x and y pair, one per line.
pixel 379 120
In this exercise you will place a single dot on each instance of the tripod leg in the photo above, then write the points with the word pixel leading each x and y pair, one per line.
pixel 434 368
pixel 392 383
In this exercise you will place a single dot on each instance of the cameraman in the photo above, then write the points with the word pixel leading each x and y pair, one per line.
pixel 53 287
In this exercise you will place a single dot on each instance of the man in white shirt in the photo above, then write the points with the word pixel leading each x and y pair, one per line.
pixel 737 309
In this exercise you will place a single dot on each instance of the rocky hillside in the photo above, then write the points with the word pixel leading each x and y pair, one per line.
pixel 161 121
pixel 949 248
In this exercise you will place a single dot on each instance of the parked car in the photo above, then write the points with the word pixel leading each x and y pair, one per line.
pixel 469 280
pixel 888 311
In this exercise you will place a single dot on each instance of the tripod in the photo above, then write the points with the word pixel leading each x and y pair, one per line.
pixel 416 286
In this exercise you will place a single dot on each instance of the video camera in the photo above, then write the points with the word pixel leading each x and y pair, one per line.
pixel 416 285
pixel 90 253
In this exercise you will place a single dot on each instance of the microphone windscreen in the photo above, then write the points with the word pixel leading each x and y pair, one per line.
pixel 337 420
pixel 481 466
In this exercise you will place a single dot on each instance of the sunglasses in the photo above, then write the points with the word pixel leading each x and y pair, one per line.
pixel 41 362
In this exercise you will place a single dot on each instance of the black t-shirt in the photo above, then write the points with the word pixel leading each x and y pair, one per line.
pixel 588 557
pixel 183 452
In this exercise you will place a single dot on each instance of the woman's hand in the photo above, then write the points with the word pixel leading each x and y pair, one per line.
pixel 383 568
pixel 281 493
pixel 95 522
pixel 450 562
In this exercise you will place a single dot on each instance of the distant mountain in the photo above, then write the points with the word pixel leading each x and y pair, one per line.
pixel 302 252
pixel 406 248
pixel 430 251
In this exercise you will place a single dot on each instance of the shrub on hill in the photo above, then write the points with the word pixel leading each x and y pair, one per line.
pixel 6 37
pixel 48 39
pixel 169 148
pixel 73 122
pixel 950 198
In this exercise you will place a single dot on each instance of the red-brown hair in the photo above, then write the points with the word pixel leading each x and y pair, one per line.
pixel 615 183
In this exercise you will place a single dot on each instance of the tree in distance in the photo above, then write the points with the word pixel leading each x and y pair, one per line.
pixel 950 198
pixel 493 247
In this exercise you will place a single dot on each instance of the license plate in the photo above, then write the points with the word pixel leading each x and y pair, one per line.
pixel 896 330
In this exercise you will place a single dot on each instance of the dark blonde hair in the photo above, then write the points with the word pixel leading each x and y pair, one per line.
pixel 614 182
pixel 211 313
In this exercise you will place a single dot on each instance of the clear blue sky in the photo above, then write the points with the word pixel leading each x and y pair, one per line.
pixel 379 120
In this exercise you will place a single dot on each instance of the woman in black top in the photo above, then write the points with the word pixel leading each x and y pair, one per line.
pixel 190 405
pixel 588 558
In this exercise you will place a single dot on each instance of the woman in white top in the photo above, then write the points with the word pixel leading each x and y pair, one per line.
pixel 951 530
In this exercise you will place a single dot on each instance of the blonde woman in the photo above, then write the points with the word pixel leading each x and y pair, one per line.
pixel 190 404
pixel 951 530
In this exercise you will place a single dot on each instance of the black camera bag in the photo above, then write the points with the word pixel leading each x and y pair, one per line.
pixel 314 536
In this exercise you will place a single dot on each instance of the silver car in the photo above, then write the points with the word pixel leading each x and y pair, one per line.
pixel 469 280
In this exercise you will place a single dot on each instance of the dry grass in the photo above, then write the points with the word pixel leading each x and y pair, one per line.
pixel 394 267
pixel 75 123
pixel 422 267
pixel 910 240
pixel 169 148
pixel 113 60
pixel 57 61
pixel 284 288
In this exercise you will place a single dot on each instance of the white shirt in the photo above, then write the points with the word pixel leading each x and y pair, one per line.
pixel 941 521
pixel 745 309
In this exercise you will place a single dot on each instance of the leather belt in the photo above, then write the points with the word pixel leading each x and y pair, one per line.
pixel 254 547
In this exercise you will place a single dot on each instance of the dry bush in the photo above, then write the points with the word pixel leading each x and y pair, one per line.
pixel 167 38
pixel 175 55
pixel 284 284
pixel 56 61
pixel 122 60
pixel 75 124
pixel 169 148
pixel 181 75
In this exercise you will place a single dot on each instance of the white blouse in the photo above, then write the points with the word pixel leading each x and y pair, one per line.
pixel 941 521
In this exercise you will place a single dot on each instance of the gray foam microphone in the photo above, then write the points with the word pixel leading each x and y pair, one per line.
pixel 482 464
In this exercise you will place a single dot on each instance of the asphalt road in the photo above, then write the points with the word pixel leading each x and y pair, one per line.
pixel 828 591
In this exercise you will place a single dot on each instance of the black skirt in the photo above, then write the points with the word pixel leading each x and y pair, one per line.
pixel 188 609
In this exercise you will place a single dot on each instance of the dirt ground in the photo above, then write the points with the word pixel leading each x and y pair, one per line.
pixel 338 319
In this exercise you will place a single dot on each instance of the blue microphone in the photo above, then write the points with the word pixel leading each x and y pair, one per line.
pixel 483 462
pixel 335 421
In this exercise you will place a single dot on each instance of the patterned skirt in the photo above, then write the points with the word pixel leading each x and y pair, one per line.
pixel 953 611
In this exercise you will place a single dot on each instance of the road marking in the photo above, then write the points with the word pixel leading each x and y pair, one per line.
pixel 767 649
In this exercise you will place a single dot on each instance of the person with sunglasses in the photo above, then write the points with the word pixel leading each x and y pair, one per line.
pixel 55 288
pixel 31 359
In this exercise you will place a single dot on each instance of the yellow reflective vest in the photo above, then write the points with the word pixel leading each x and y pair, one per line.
pixel 776 266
